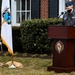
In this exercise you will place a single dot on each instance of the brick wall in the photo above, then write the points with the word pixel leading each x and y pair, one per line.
pixel 43 9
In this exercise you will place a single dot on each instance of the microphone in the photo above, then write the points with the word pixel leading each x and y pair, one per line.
pixel 59 17
pixel 61 14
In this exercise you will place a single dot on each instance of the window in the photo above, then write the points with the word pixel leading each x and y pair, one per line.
pixel 23 10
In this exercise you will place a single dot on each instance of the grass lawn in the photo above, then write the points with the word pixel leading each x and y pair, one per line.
pixel 32 66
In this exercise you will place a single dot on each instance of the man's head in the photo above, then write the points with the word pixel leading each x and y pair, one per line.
pixel 69 6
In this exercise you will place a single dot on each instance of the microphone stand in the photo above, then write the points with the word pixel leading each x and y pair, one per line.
pixel 59 17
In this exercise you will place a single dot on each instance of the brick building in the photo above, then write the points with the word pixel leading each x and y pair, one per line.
pixel 31 9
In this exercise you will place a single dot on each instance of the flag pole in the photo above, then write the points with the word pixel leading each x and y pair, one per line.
pixel 1 46
pixel 6 32
pixel 12 63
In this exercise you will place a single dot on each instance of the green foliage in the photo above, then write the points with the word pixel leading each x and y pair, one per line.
pixel 34 35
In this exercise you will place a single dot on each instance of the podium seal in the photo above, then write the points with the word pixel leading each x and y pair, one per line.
pixel 59 46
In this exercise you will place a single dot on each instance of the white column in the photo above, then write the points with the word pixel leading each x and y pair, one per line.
pixel 61 6
pixel 13 12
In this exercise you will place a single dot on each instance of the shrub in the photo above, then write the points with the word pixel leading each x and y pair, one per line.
pixel 34 35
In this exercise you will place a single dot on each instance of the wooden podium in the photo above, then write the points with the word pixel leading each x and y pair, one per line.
pixel 63 48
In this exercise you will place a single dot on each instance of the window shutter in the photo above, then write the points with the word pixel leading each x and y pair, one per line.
pixel 35 9
pixel 53 8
